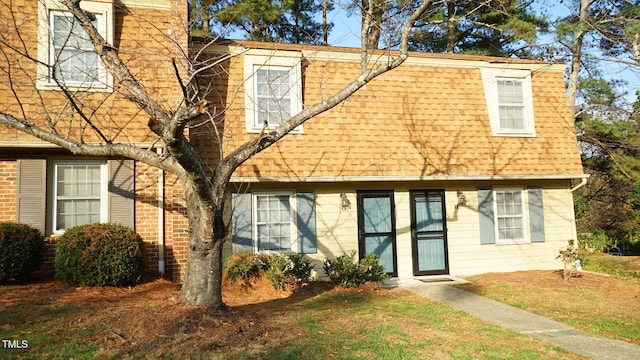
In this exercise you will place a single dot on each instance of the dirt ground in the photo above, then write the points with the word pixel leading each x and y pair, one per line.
pixel 148 319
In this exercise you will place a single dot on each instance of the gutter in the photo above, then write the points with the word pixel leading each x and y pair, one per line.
pixel 583 182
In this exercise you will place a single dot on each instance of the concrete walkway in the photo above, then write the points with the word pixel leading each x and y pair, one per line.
pixel 525 322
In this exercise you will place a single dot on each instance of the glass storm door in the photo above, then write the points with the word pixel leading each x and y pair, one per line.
pixel 376 227
pixel 429 233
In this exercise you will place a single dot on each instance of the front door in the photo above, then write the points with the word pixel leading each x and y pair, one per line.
pixel 429 233
pixel 376 227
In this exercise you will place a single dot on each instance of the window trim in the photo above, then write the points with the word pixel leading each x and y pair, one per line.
pixel 277 60
pixel 46 8
pixel 254 222
pixel 523 216
pixel 104 190
pixel 490 78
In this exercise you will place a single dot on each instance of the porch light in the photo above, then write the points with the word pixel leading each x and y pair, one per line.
pixel 462 200
pixel 344 200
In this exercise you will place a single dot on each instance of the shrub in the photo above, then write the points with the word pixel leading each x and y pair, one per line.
pixel 100 254
pixel 598 241
pixel 244 266
pixel 346 272
pixel 21 251
pixel 568 255
pixel 283 269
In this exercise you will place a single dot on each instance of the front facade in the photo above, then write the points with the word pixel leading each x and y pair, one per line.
pixel 446 165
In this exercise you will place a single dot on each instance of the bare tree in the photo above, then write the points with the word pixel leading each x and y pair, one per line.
pixel 205 189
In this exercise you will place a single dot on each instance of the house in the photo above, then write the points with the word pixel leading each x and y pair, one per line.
pixel 449 164
pixel 48 187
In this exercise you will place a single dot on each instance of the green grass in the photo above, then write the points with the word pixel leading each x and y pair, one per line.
pixel 361 326
pixel 623 267
pixel 335 324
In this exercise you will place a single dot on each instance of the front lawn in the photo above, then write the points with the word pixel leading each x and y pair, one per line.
pixel 59 321
pixel 605 305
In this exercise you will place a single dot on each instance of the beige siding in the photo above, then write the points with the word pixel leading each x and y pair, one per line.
pixel 337 229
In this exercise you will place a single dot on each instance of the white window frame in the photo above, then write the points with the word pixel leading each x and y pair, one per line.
pixel 490 78
pixel 278 60
pixel 46 8
pixel 104 190
pixel 524 217
pixel 254 225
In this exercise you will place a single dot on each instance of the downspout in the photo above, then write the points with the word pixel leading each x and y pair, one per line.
pixel 160 207
pixel 583 182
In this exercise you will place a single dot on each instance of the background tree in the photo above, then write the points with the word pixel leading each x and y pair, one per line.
pixel 596 35
pixel 205 190
pixel 497 28
pixel 290 21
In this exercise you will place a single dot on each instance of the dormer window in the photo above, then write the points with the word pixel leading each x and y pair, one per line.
pixel 509 102
pixel 273 89
pixel 66 56
pixel 273 95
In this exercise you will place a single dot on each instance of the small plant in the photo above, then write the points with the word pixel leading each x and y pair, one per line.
pixel 243 266
pixel 21 251
pixel 100 254
pixel 346 272
pixel 283 269
pixel 279 266
pixel 568 255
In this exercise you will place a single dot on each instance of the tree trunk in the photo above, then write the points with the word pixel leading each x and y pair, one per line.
pixel 574 75
pixel 202 284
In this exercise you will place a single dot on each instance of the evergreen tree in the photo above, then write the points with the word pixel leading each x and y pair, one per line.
pixel 498 27
pixel 290 21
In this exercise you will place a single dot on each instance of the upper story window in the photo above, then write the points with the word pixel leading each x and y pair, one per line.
pixel 509 101
pixel 72 56
pixel 67 55
pixel 273 89
pixel 273 95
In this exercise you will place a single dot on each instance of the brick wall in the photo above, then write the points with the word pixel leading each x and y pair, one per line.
pixel 8 178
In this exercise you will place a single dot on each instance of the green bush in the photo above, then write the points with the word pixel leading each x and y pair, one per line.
pixel 100 254
pixel 21 251
pixel 244 266
pixel 346 272
pixel 598 241
pixel 280 269
pixel 283 269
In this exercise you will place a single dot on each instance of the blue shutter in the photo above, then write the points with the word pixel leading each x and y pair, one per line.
pixel 536 214
pixel 241 222
pixel 486 216
pixel 306 220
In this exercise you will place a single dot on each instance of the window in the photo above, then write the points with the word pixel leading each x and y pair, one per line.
pixel 511 105
pixel 273 221
pixel 67 55
pixel 72 56
pixel 272 89
pixel 273 96
pixel 509 101
pixel 509 210
pixel 79 193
